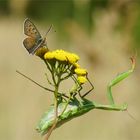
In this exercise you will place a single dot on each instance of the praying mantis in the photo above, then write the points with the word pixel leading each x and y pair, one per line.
pixel 73 107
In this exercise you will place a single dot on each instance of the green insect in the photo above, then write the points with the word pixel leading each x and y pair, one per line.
pixel 74 108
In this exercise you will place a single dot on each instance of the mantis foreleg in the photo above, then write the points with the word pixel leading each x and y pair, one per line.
pixel 119 78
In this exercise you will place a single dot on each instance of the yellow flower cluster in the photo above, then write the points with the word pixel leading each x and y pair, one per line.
pixel 71 58
pixel 62 55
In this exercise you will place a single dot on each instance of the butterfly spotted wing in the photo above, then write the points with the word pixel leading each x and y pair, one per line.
pixel 34 39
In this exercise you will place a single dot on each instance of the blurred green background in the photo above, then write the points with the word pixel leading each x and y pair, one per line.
pixel 104 33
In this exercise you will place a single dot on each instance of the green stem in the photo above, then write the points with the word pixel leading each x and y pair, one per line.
pixel 66 105
pixel 47 65
pixel 55 111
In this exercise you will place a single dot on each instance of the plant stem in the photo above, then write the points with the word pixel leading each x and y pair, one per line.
pixel 55 110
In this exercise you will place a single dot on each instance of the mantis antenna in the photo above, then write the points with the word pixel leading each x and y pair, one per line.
pixel 38 83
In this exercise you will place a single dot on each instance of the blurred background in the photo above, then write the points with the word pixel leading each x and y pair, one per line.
pixel 104 33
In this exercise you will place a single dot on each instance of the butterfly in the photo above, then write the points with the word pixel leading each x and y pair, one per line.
pixel 34 41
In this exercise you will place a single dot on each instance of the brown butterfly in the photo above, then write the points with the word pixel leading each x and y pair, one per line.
pixel 34 41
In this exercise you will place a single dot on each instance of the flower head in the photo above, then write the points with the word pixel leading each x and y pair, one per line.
pixel 72 58
pixel 82 79
pixel 76 65
pixel 80 71
pixel 49 55
pixel 60 55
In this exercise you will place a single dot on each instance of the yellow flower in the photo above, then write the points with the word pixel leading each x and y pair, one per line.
pixel 76 65
pixel 82 79
pixel 60 55
pixel 80 71
pixel 72 58
pixel 49 55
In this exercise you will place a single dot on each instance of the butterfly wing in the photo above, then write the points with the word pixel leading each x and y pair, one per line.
pixel 31 30
pixel 34 39
pixel 29 44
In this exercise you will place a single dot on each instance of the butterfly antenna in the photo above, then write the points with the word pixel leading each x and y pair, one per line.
pixel 49 29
